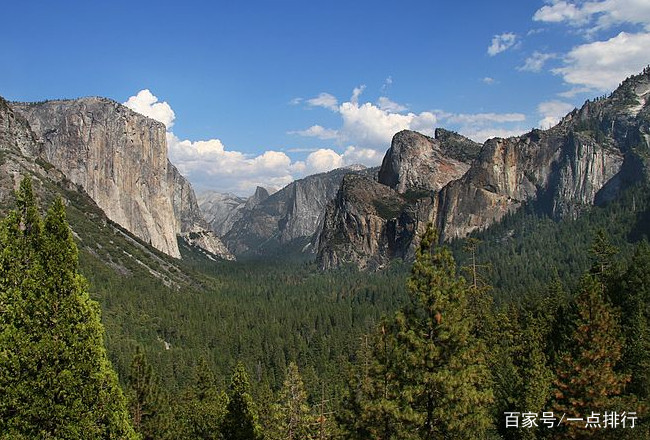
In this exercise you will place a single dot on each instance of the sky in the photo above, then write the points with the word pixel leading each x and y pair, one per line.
pixel 262 93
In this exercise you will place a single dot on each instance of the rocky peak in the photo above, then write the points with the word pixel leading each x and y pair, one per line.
pixel 594 153
pixel 418 162
pixel 258 197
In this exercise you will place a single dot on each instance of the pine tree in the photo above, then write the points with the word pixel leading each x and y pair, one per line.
pixel 587 379
pixel 240 421
pixel 293 416
pixel 147 403
pixel 203 408
pixel 445 381
pixel 372 406
pixel 55 377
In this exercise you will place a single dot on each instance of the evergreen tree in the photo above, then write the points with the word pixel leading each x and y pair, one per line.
pixel 587 379
pixel 293 416
pixel 634 300
pixel 55 377
pixel 147 404
pixel 240 421
pixel 372 406
pixel 445 382
pixel 203 408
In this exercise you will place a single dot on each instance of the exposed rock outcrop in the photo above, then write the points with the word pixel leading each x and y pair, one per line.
pixel 589 157
pixel 220 210
pixel 418 162
pixel 290 216
pixel 119 158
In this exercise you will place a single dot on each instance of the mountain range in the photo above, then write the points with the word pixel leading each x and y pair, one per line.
pixel 366 217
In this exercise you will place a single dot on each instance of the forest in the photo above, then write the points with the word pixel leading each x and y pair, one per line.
pixel 531 329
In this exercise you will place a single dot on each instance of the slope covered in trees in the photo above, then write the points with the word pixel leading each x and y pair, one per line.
pixel 55 377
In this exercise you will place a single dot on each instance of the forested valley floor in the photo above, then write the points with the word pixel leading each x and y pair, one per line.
pixel 531 317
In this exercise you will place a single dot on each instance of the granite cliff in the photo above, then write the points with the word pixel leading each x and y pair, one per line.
pixel 460 186
pixel 266 223
pixel 119 158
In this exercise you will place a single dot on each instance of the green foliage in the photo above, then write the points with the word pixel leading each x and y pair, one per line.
pixel 240 421
pixel 587 377
pixel 148 405
pixel 294 419
pixel 55 378
pixel 427 374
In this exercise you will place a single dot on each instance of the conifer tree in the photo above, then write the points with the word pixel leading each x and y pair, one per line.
pixel 445 381
pixel 55 377
pixel 203 408
pixel 587 379
pixel 147 403
pixel 293 416
pixel 372 406
pixel 240 421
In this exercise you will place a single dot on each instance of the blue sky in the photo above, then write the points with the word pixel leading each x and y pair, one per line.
pixel 260 93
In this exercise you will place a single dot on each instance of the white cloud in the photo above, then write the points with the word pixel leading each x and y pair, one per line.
pixel 536 61
pixel 552 112
pixel 390 106
pixel 147 104
pixel 596 14
pixel 324 100
pixel 317 131
pixel 370 126
pixel 365 156
pixel 209 164
pixel 602 65
pixel 482 126
pixel 483 118
pixel 481 135
pixel 488 80
pixel 501 43
pixel 323 160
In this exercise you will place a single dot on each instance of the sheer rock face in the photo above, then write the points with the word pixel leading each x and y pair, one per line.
pixel 588 158
pixel 415 161
pixel 292 215
pixel 119 158
pixel 221 210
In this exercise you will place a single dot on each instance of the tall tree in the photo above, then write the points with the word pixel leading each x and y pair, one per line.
pixel 294 419
pixel 203 407
pixel 55 377
pixel 240 421
pixel 445 381
pixel 587 377
pixel 147 403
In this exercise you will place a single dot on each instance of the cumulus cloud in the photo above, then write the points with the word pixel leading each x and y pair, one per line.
pixel 390 106
pixel 147 104
pixel 482 126
pixel 536 61
pixel 488 80
pixel 501 43
pixel 323 160
pixel 210 164
pixel 552 112
pixel 602 65
pixel 371 126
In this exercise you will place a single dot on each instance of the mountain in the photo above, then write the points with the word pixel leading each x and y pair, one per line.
pixel 119 158
pixel 221 210
pixel 268 223
pixel 588 158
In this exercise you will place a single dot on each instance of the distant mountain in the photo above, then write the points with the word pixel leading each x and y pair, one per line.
pixel 119 158
pixel 266 223
pixel 460 186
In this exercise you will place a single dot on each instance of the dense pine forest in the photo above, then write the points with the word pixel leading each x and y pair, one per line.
pixel 511 333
